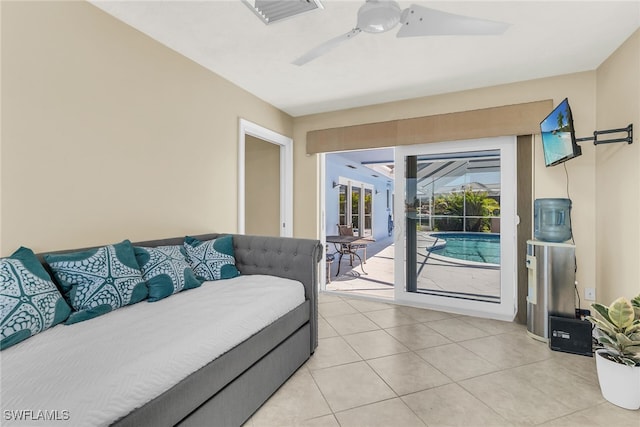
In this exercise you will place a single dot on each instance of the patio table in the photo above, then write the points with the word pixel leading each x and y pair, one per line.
pixel 349 245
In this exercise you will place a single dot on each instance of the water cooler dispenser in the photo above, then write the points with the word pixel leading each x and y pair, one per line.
pixel 551 265
pixel 551 268
pixel 552 220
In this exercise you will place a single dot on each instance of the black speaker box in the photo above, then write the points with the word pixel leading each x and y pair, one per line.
pixel 570 335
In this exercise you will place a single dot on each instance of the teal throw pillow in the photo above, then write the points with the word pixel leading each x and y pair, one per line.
pixel 29 300
pixel 166 271
pixel 212 259
pixel 97 281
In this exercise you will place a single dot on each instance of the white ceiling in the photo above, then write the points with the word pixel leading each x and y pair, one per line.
pixel 544 39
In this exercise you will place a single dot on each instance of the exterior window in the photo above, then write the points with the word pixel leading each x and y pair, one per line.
pixel 342 203
pixel 355 201
pixel 368 212
pixel 355 210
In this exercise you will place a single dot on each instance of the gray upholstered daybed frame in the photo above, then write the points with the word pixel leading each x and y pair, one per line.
pixel 228 390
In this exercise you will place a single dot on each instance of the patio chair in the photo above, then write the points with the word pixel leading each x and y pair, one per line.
pixel 351 248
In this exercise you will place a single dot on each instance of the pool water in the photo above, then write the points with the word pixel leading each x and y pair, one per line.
pixel 477 247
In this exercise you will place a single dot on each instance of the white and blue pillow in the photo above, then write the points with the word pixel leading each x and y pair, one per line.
pixel 212 259
pixel 166 271
pixel 97 281
pixel 29 300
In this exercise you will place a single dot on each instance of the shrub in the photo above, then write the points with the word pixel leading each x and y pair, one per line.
pixel 452 206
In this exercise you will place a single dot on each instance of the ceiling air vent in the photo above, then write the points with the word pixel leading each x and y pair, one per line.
pixel 270 11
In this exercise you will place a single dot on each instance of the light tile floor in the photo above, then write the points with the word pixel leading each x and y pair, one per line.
pixel 379 364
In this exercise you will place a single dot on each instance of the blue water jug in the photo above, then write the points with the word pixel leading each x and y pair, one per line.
pixel 552 220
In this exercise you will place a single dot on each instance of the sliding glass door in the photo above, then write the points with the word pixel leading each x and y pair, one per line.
pixel 455 242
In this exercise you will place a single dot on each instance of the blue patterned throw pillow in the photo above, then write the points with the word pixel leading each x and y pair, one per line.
pixel 166 271
pixel 213 259
pixel 29 300
pixel 97 281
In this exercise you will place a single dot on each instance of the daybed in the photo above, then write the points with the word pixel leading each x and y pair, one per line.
pixel 140 365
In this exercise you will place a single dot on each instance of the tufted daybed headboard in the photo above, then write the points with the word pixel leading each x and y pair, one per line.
pixel 291 258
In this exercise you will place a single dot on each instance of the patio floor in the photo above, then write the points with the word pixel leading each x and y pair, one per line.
pixel 436 274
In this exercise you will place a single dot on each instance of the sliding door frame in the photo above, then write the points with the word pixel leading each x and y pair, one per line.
pixel 506 309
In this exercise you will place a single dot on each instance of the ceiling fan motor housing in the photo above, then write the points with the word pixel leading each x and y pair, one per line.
pixel 378 16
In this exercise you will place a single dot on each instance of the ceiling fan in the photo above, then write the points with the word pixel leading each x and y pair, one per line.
pixel 379 16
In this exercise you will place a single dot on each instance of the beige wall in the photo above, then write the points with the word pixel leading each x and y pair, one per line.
pixel 262 187
pixel 618 175
pixel 107 135
pixel 1 127
pixel 548 182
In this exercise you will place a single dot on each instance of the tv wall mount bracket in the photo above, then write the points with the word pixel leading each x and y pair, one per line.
pixel 594 138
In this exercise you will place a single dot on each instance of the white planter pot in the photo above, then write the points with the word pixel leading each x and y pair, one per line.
pixel 620 384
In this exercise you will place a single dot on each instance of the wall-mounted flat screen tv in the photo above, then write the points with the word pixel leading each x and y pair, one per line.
pixel 558 136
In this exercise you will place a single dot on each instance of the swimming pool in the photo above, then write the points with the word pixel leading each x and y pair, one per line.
pixel 477 247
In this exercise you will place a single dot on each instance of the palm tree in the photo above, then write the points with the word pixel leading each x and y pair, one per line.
pixel 456 206
pixel 560 120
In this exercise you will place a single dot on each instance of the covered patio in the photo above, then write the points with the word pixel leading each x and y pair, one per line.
pixel 436 274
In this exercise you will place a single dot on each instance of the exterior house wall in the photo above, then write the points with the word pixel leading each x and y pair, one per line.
pixel 336 168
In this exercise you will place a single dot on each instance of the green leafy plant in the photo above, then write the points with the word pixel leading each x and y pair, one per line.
pixel 619 330
pixel 453 206
pixel 636 306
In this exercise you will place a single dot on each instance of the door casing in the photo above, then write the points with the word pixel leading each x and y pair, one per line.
pixel 286 173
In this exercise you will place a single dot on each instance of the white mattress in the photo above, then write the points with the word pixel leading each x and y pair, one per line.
pixel 87 369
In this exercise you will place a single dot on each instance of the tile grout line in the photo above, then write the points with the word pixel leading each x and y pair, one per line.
pixel 453 381
pixel 411 351
pixel 324 397
pixel 466 320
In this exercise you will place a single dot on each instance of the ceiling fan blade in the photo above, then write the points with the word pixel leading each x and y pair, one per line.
pixel 423 21
pixel 325 47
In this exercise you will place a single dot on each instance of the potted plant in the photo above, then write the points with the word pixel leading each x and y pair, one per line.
pixel 618 358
